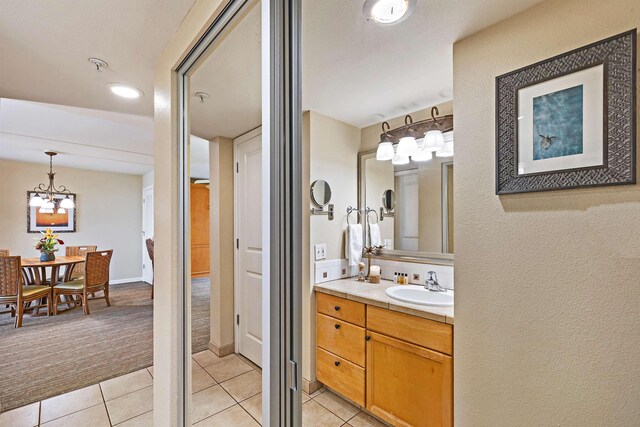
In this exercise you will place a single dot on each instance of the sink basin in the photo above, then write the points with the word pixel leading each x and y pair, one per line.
pixel 419 295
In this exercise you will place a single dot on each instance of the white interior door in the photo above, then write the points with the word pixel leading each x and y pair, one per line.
pixel 407 218
pixel 248 260
pixel 147 232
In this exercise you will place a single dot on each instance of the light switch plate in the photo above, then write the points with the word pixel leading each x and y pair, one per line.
pixel 321 251
pixel 388 243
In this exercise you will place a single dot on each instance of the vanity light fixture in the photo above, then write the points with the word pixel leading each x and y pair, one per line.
pixel 400 160
pixel 124 91
pixel 388 12
pixel 385 146
pixel 422 156
pixel 407 145
pixel 433 139
pixel 447 150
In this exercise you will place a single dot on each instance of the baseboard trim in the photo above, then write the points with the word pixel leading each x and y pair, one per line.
pixel 311 387
pixel 225 350
pixel 129 280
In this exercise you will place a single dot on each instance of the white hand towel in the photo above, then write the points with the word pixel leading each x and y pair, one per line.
pixel 374 234
pixel 353 244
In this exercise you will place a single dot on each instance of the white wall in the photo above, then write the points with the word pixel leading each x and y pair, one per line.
pixel 147 179
pixel 547 284
pixel 330 152
pixel 109 212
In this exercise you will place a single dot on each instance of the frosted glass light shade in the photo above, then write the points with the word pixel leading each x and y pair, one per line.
pixel 45 210
pixel 407 146
pixel 447 150
pixel 433 140
pixel 422 156
pixel 385 151
pixel 400 160
pixel 67 203
pixel 36 201
pixel 48 204
pixel 61 211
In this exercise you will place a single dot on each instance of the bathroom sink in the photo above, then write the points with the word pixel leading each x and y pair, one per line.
pixel 419 295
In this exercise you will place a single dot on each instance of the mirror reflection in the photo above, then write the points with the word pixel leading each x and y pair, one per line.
pixel 320 193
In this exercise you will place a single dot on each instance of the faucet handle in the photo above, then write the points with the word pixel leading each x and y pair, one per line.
pixel 432 275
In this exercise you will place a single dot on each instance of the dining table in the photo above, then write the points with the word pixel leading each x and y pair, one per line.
pixel 39 268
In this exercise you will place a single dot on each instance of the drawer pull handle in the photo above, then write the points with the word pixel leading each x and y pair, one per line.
pixel 367 338
pixel 336 363
pixel 337 326
pixel 337 308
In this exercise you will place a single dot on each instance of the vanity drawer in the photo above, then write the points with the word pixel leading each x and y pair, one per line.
pixel 340 308
pixel 423 332
pixel 341 375
pixel 341 338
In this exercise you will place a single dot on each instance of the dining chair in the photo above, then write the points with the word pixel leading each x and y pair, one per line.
pixel 96 279
pixel 77 270
pixel 14 293
pixel 150 250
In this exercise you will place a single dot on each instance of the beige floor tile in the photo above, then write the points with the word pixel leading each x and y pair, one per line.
pixel 227 369
pixel 126 384
pixel 234 416
pixel 253 406
pixel 144 420
pixel 130 405
pixel 25 416
pixel 206 358
pixel 346 425
pixel 150 369
pixel 244 386
pixel 305 397
pixel 337 405
pixel 208 402
pixel 200 380
pixel 316 415
pixel 317 392
pixel 69 403
pixel 365 420
pixel 96 416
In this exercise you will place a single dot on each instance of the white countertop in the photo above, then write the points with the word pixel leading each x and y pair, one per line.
pixel 374 294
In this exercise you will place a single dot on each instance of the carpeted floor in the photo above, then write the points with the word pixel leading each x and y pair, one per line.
pixel 53 355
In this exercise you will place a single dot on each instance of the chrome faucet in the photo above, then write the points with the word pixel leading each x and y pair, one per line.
pixel 432 283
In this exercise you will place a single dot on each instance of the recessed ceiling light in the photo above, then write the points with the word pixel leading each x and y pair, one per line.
pixel 125 91
pixel 388 12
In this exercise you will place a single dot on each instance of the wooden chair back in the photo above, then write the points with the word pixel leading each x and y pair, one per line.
pixel 150 248
pixel 78 269
pixel 10 276
pixel 4 252
pixel 97 268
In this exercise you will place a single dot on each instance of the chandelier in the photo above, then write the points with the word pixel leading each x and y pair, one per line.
pixel 45 195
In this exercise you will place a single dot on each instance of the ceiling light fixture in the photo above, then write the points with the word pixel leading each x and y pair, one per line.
pixel 125 91
pixel 388 12
pixel 48 197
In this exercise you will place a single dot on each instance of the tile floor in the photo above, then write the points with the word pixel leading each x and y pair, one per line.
pixel 226 392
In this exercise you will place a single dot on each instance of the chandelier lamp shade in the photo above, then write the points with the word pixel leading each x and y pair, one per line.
pixel 45 195
pixel 401 146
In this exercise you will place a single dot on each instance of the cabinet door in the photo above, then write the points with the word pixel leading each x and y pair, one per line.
pixel 408 385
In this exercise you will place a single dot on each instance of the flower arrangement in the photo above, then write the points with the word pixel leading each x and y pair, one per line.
pixel 47 245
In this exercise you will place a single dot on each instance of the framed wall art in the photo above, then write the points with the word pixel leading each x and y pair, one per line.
pixel 58 219
pixel 569 121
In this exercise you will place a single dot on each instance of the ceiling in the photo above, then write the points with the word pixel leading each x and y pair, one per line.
pixel 354 70
pixel 45 46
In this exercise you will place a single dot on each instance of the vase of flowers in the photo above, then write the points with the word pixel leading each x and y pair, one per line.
pixel 47 245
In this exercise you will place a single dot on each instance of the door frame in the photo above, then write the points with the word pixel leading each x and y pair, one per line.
pixel 236 220
pixel 145 253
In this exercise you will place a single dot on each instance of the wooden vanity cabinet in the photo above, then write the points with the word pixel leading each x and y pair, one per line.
pixel 404 372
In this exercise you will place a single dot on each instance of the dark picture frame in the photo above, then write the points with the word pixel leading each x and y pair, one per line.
pixel 32 216
pixel 617 57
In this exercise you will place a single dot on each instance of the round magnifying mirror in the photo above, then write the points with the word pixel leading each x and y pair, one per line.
pixel 320 193
pixel 389 200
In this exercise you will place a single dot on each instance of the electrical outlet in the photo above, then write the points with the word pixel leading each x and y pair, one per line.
pixel 325 274
pixel 321 251
pixel 344 271
pixel 416 277
pixel 388 244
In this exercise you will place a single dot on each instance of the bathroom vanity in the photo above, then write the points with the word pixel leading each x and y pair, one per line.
pixel 392 358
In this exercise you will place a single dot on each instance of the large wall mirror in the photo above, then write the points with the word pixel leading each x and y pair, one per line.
pixel 408 208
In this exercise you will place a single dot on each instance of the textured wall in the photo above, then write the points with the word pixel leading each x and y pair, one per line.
pixel 96 222
pixel 547 284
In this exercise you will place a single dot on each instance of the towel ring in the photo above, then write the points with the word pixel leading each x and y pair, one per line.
pixel 368 211
pixel 349 210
